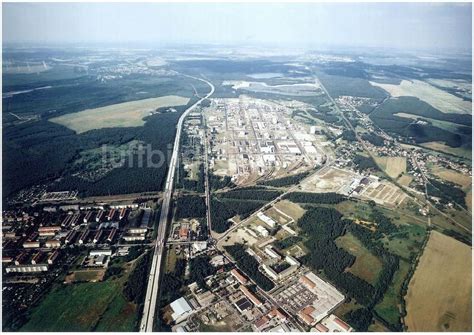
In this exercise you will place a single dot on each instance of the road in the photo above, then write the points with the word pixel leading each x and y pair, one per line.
pixel 152 292
pixel 206 183
pixel 294 188
pixel 427 200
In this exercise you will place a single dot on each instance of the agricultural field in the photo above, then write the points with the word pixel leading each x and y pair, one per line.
pixel 439 294
pixel 126 114
pixel 366 266
pixel 393 166
pixel 460 179
pixel 439 99
pixel 442 147
pixel 405 180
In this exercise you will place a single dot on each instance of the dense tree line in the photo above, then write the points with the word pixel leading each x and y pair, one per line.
pixel 249 265
pixel 364 163
pixel 200 268
pixel 224 209
pixel 458 236
pixel 251 194
pixel 190 206
pixel 317 198
pixel 135 287
pixel 446 192
pixel 384 224
pixel 173 282
pixel 285 181
pixel 360 319
pixel 220 214
pixel 243 208
pixel 348 135
pixel 375 139
pixel 216 182
pixel 287 242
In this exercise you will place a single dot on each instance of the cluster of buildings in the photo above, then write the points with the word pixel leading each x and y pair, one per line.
pixel 33 240
pixel 251 138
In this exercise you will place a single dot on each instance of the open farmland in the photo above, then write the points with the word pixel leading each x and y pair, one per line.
pixel 393 166
pixel 439 99
pixel 462 180
pixel 439 295
pixel 127 114
pixel 438 146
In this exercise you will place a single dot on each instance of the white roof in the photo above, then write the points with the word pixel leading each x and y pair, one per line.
pixel 180 307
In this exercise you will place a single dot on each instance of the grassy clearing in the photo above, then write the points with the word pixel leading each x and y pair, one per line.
pixel 405 180
pixel 439 99
pixel 85 307
pixel 439 294
pixel 75 307
pixel 455 177
pixel 120 316
pixel 388 308
pixel 405 242
pixel 291 209
pixel 439 146
pixel 127 114
pixel 89 275
pixel 366 266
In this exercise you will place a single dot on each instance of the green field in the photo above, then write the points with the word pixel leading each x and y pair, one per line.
pixel 85 307
pixel 79 308
pixel 388 308
pixel 366 266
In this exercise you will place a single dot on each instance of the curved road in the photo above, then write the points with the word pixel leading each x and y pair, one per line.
pixel 152 291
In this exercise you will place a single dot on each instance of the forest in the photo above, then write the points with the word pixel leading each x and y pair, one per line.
pixel 190 206
pixel 374 139
pixel 384 116
pixel 285 181
pixel 249 265
pixel 200 268
pixel 316 198
pixel 446 192
pixel 41 151
pixel 364 163
pixel 135 287
pixel 321 226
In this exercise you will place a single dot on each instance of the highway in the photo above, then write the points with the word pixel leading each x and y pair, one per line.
pixel 152 292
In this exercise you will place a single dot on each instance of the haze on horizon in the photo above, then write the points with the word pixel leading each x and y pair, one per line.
pixel 436 26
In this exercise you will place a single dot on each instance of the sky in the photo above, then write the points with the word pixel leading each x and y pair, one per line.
pixel 386 25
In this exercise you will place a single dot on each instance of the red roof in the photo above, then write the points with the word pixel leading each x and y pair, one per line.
pixel 262 321
pixel 341 323
pixel 240 277
pixel 183 232
pixel 322 328
pixel 250 295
